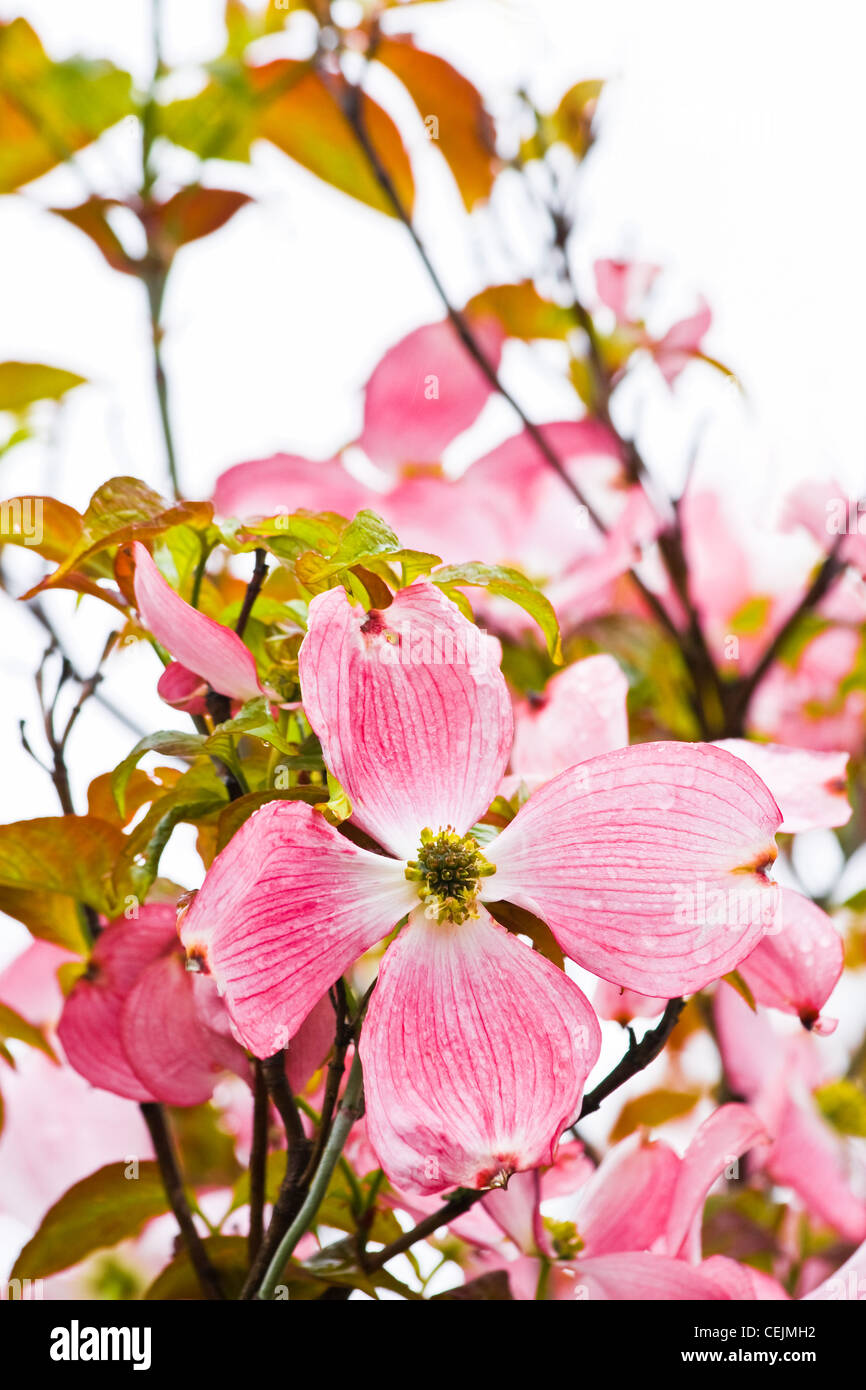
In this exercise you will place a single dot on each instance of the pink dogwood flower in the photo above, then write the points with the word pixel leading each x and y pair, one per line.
pixel 475 1048
pixel 778 1077
pixel 633 1230
pixel 139 1024
pixel 207 654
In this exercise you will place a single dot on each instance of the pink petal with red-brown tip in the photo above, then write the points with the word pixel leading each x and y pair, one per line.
pixel 90 1026
pixel 171 1048
pixel 580 714
pixel 640 1278
pixel 285 908
pixel 810 789
pixel 719 1141
pixel 286 483
pixel 622 1005
pixel 196 641
pixel 182 689
pixel 624 1206
pixel 424 392
pixel 646 863
pixel 795 967
pixel 411 709
pixel 475 1054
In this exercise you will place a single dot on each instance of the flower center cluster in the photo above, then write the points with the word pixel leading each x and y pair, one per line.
pixel 563 1237
pixel 447 871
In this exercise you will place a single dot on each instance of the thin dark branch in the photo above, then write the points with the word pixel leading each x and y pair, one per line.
pixel 166 1157
pixel 638 1056
pixel 457 1205
pixel 258 1163
pixel 253 589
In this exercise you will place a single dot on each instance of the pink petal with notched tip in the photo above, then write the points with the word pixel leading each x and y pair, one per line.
pixel 411 709
pixel 622 1005
pixel 719 1141
pixel 171 1047
pixel 639 1277
pixel 579 714
pixel 625 1204
pixel 285 908
pixel 424 392
pixel 795 968
pixel 196 641
pixel 90 1026
pixel 475 1053
pixel 515 1210
pixel 741 1282
pixel 811 789
pixel 182 689
pixel 646 864
pixel 286 483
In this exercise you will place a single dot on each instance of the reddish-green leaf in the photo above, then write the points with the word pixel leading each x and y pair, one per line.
pixel 453 114
pixel 22 383
pixel 109 1206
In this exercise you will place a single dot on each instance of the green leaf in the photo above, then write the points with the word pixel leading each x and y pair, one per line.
pixel 453 112
pixel 300 112
pixel 42 524
pixel 338 1210
pixel 522 312
pixel 652 1109
pixel 240 810
pixel 843 1104
pixel 178 1282
pixel 573 118
pixel 22 383
pixel 198 793
pixel 14 1027
pixel 48 916
pixel 367 541
pixel 49 110
pixel 97 1212
pixel 74 855
pixel 505 583
pixel 736 981
pixel 169 742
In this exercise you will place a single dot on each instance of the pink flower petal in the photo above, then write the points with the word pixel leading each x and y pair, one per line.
pixel 311 1044
pixel 172 1050
pixel 751 1051
pixel 623 286
pixel 741 1282
pixel 200 644
pixel 412 711
pixel 807 1156
pixel 286 483
pixel 182 689
pixel 515 1209
pixel 90 1026
pixel 719 1141
pixel 622 1005
pixel 848 1282
pixel 580 714
pixel 475 1053
pixel 285 908
pixel 424 392
pixel 646 864
pixel 29 983
pixel 642 1278
pixel 624 1206
pixel 810 789
pixel 795 968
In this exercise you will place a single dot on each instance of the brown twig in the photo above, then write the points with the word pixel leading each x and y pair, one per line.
pixel 166 1157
